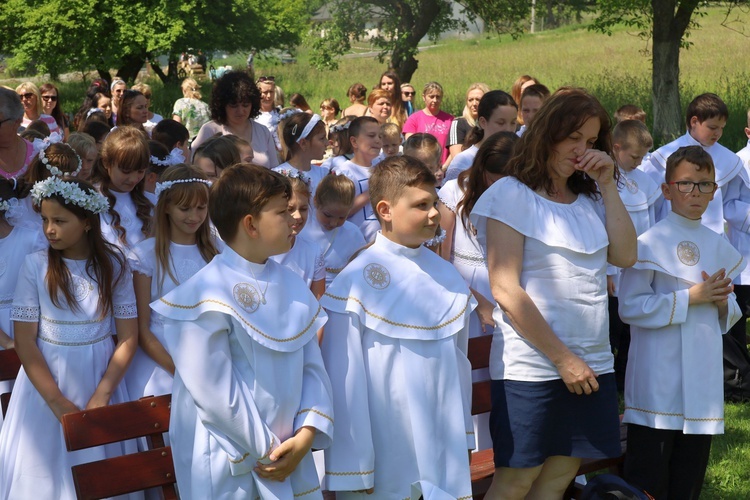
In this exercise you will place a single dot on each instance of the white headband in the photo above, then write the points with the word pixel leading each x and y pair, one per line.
pixel 173 158
pixel 163 186
pixel 91 201
pixel 308 128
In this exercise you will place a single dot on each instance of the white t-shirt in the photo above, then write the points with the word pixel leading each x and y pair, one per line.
pixel 365 217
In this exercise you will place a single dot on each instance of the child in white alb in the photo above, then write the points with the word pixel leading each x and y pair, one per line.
pixel 251 396
pixel 395 349
pixel 305 140
pixel 678 301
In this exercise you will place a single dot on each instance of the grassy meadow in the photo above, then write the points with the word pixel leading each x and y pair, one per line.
pixel 614 68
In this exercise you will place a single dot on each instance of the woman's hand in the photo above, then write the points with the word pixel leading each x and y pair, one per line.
pixel 577 375
pixel 598 165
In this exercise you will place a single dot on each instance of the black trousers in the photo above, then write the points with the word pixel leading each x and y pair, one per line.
pixel 619 341
pixel 743 299
pixel 668 464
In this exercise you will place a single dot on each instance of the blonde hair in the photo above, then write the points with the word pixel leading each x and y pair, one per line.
pixel 390 131
pixel 190 89
pixel 466 112
pixel 184 194
pixel 83 144
pixel 30 87
pixel 143 88
pixel 432 86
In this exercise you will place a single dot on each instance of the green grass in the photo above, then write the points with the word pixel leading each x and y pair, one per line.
pixel 728 476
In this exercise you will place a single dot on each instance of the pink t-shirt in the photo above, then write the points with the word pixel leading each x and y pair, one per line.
pixel 438 126
pixel 30 153
pixel 49 120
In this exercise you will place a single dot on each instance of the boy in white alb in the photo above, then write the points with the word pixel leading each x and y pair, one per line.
pixel 631 142
pixel 251 395
pixel 678 301
pixel 395 349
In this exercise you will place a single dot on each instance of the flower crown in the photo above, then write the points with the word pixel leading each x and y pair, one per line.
pixel 173 158
pixel 91 201
pixel 294 174
pixel 289 113
pixel 40 145
pixel 163 186
pixel 340 128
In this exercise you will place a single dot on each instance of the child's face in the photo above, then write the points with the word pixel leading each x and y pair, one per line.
pixel 629 156
pixel 124 182
pixel 105 104
pixel 298 208
pixel 246 153
pixel 274 227
pixel 529 107
pixel 689 205
pixel 428 158
pixel 332 216
pixel 502 119
pixel 414 217
pixel 368 143
pixel 65 232
pixel 185 221
pixel 390 145
pixel 208 168
pixel 707 132
pixel 317 143
pixel 87 164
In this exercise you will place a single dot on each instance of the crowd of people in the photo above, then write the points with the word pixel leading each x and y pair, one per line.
pixel 305 285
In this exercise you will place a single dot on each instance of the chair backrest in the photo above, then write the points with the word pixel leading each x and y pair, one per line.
pixel 479 357
pixel 147 417
pixel 9 367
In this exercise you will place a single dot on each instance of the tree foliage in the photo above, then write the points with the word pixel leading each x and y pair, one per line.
pixel 62 35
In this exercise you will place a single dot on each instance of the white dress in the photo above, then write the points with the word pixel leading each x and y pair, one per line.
pixel 124 206
pixel 563 272
pixel 337 246
pixel 365 217
pixel 144 376
pixel 24 215
pixel 461 162
pixel 468 258
pixel 674 378
pixel 77 347
pixel 395 349
pixel 305 259
pixel 248 375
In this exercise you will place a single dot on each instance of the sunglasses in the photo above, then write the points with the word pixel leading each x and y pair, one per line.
pixel 408 94
pixel 52 98
pixel 326 107
pixel 27 95
pixel 263 79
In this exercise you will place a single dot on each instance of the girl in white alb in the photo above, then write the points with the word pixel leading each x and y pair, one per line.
pixel 182 246
pixel 125 159
pixel 337 238
pixel 65 342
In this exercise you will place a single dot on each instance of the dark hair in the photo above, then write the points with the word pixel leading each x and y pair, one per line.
pixel 536 90
pixel 96 129
pixel 221 151
pixel 632 132
pixel 357 90
pixel 356 125
pixel 693 154
pixel 334 104
pixel 293 127
pixel 39 126
pixel 243 189
pixel 562 114
pixel 10 188
pixel 397 105
pixel 98 86
pixel 492 157
pixel 169 132
pixel 234 87
pixel 299 102
pixel 704 107
pixel 160 152
pixel 57 112
pixel 123 112
pixel 487 105
pixel 95 104
pixel 393 175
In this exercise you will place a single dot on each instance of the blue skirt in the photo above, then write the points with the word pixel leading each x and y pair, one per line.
pixel 532 421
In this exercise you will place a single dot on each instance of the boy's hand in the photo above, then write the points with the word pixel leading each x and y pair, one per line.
pixel 287 456
pixel 715 288
pixel 611 286
pixel 577 375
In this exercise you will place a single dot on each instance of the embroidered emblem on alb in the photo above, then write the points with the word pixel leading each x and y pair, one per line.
pixel 631 186
pixel 377 276
pixel 126 221
pixel 3 266
pixel 688 253
pixel 246 296
pixel 81 288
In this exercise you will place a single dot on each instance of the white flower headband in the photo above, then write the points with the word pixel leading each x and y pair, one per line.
pixel 340 128
pixel 163 186
pixel 91 201
pixel 294 174
pixel 173 158
pixel 40 145
pixel 308 128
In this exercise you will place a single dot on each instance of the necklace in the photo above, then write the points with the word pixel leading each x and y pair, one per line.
pixel 262 293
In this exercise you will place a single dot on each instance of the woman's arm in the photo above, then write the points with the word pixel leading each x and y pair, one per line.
pixel 147 340
pixel 37 370
pixel 505 261
pixel 127 342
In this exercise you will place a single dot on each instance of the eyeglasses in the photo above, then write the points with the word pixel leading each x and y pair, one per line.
pixel 27 95
pixel 6 120
pixel 408 94
pixel 705 187
pixel 264 79
pixel 52 98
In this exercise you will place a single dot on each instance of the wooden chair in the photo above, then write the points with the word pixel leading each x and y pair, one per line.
pixel 9 367
pixel 147 417
pixel 482 462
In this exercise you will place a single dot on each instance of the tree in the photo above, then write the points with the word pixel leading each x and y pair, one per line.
pixel 667 24
pixel 59 35
pixel 402 24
